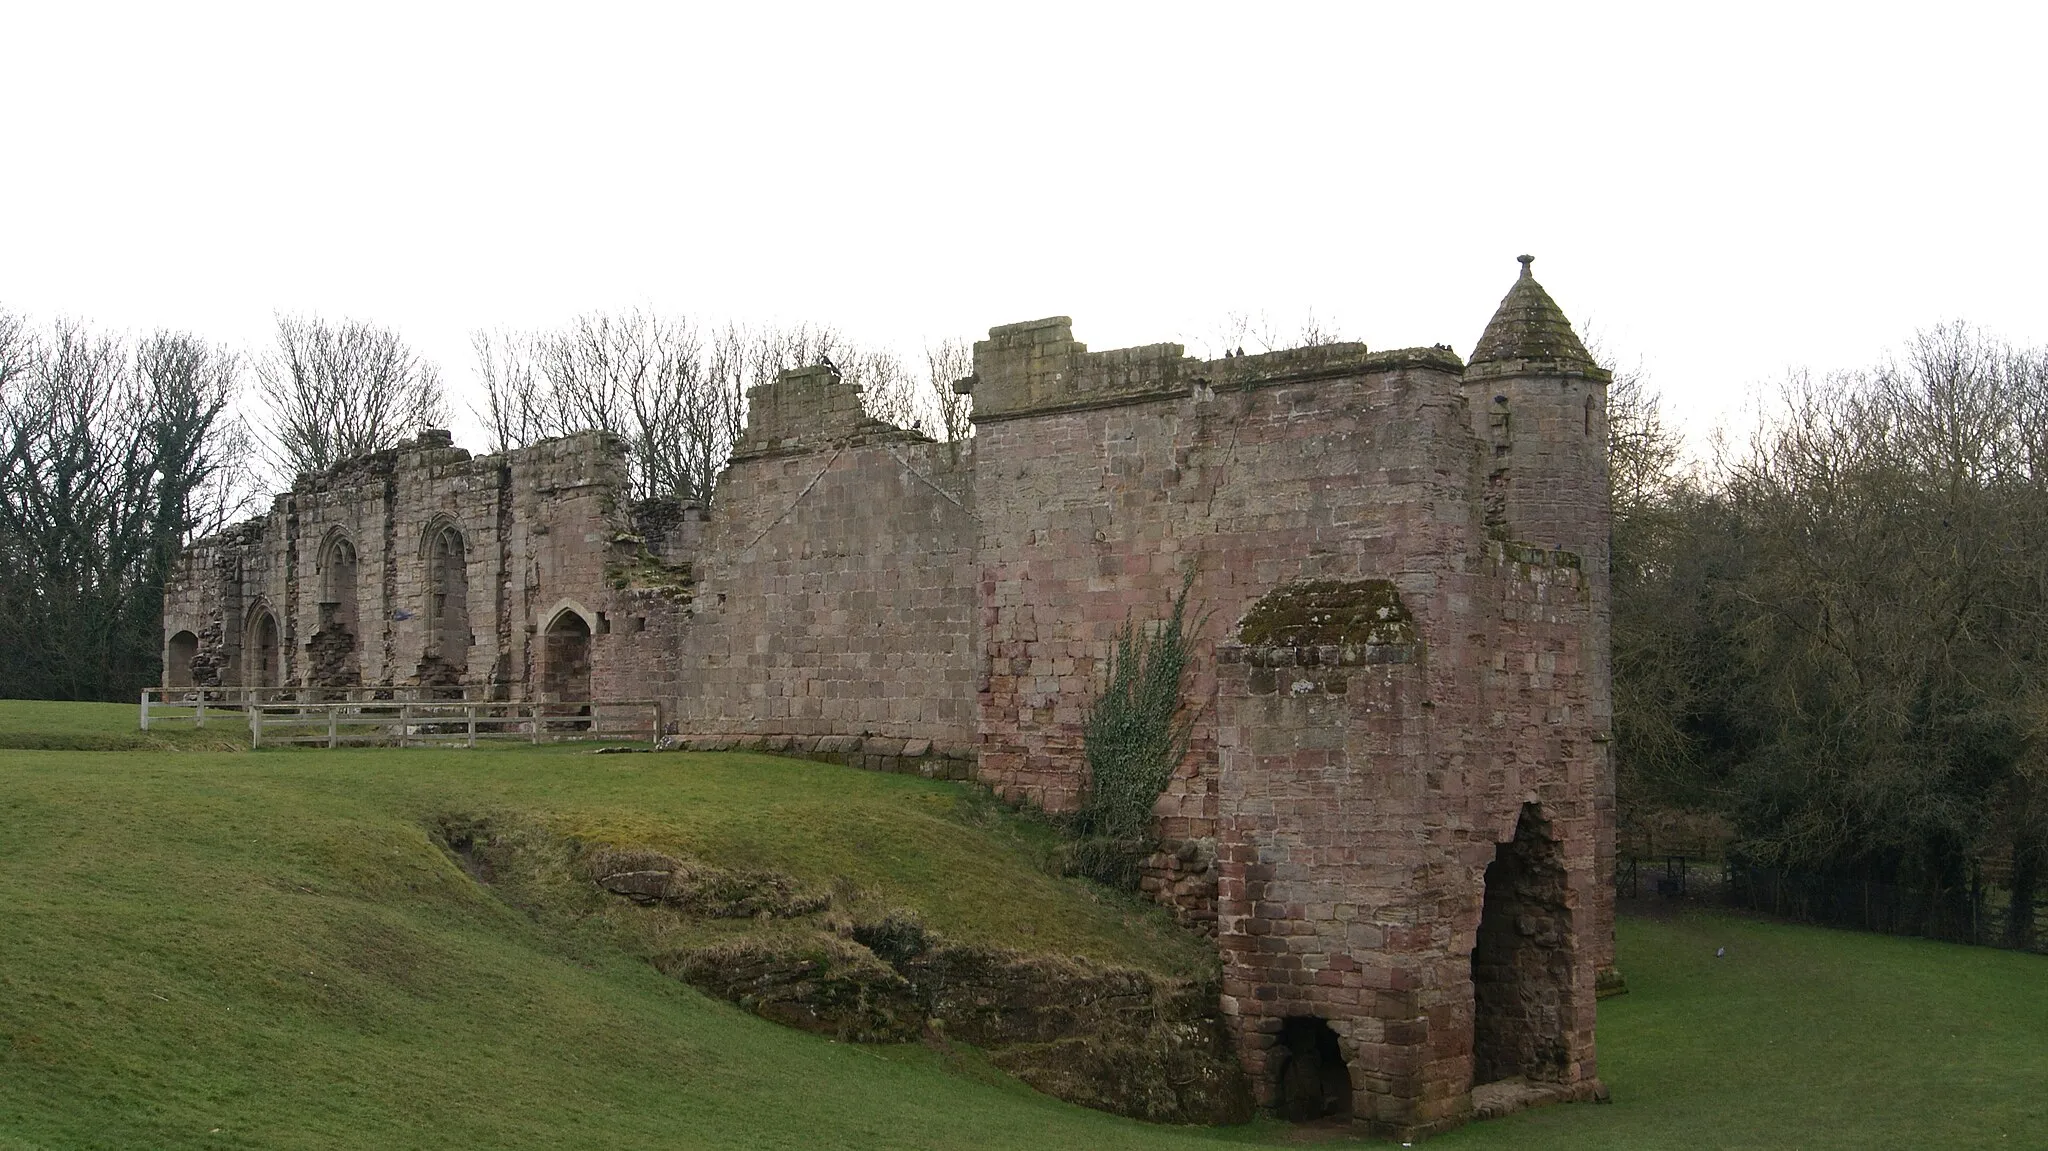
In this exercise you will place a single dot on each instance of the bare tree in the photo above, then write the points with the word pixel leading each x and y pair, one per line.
pixel 651 380
pixel 14 348
pixel 332 391
pixel 946 363
pixel 517 410
pixel 888 391
pixel 675 392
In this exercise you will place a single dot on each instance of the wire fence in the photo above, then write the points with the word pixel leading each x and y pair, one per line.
pixel 1981 909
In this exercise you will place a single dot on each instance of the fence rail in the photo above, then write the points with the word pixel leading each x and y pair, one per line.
pixel 314 717
pixel 193 704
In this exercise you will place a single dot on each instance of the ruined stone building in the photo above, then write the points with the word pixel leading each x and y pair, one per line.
pixel 1397 816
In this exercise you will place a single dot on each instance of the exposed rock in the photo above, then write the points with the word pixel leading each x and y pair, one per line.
pixel 825 985
pixel 1179 1074
pixel 700 889
pixel 1113 1038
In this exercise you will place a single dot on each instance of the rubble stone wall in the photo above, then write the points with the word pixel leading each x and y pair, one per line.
pixel 539 529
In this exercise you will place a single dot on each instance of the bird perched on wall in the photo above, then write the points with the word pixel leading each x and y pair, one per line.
pixel 825 361
pixel 1240 352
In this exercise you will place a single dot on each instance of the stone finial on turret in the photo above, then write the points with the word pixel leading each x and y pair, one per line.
pixel 1529 326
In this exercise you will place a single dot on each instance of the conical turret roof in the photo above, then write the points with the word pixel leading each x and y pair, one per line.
pixel 1529 326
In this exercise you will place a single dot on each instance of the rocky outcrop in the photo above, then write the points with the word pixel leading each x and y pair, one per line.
pixel 1114 1038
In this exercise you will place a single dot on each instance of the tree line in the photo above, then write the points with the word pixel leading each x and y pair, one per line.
pixel 113 451
pixel 1835 632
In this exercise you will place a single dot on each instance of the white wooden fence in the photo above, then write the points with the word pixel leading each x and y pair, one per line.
pixel 315 717
pixel 195 705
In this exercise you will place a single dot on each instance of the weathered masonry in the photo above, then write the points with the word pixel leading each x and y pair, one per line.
pixel 1397 816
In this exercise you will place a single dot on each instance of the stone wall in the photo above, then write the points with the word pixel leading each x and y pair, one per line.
pixel 836 590
pixel 1246 473
pixel 536 534
pixel 1368 781
pixel 1396 816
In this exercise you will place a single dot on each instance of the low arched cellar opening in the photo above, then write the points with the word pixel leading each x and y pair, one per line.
pixel 1311 1079
pixel 1522 961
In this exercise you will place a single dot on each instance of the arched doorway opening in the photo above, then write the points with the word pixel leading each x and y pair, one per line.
pixel 1522 960
pixel 332 650
pixel 179 653
pixel 446 659
pixel 565 669
pixel 1311 1079
pixel 262 665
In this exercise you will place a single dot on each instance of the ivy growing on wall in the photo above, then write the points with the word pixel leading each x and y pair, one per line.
pixel 1136 734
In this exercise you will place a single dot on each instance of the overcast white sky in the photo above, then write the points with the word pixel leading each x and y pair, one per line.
pixel 1724 190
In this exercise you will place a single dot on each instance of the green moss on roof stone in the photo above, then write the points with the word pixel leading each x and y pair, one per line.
pixel 1530 326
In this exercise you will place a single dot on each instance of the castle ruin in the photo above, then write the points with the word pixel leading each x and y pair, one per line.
pixel 1396 819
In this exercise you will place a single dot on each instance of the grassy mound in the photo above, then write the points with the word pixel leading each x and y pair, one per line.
pixel 269 949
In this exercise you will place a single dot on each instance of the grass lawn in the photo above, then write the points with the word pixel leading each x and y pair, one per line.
pixel 206 948
pixel 39 724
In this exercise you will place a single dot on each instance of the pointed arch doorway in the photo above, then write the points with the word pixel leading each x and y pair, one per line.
pixel 565 665
pixel 262 658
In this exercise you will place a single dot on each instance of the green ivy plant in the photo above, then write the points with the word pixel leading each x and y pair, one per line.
pixel 1136 734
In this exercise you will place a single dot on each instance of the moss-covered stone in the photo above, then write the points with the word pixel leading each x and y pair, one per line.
pixel 642 571
pixel 1324 613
